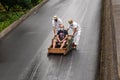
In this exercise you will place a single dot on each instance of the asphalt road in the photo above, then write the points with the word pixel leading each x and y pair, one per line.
pixel 23 52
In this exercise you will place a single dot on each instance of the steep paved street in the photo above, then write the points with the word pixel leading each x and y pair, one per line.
pixel 23 52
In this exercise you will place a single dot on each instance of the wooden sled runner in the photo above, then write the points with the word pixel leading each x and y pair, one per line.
pixel 64 50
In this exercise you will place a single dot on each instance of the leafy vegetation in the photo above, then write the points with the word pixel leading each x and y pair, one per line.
pixel 11 10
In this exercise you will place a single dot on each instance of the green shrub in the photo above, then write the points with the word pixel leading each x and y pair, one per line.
pixel 8 18
pixel 25 3
pixel 16 9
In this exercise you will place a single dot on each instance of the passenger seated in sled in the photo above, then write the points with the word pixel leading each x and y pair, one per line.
pixel 61 37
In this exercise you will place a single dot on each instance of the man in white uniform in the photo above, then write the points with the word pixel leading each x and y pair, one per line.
pixel 56 22
pixel 76 32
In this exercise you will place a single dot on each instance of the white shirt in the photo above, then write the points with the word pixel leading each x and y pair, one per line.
pixel 75 25
pixel 56 24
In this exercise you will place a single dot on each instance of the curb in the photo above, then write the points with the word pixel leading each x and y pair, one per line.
pixel 115 36
pixel 108 61
pixel 17 22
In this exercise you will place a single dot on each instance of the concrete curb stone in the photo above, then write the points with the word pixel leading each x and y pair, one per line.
pixel 17 22
pixel 108 61
pixel 116 20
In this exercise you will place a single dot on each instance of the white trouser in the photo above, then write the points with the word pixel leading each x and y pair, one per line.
pixel 76 38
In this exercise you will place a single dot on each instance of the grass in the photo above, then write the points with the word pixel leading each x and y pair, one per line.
pixel 7 18
pixel 40 1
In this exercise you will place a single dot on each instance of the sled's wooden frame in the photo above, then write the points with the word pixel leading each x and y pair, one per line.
pixel 63 51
